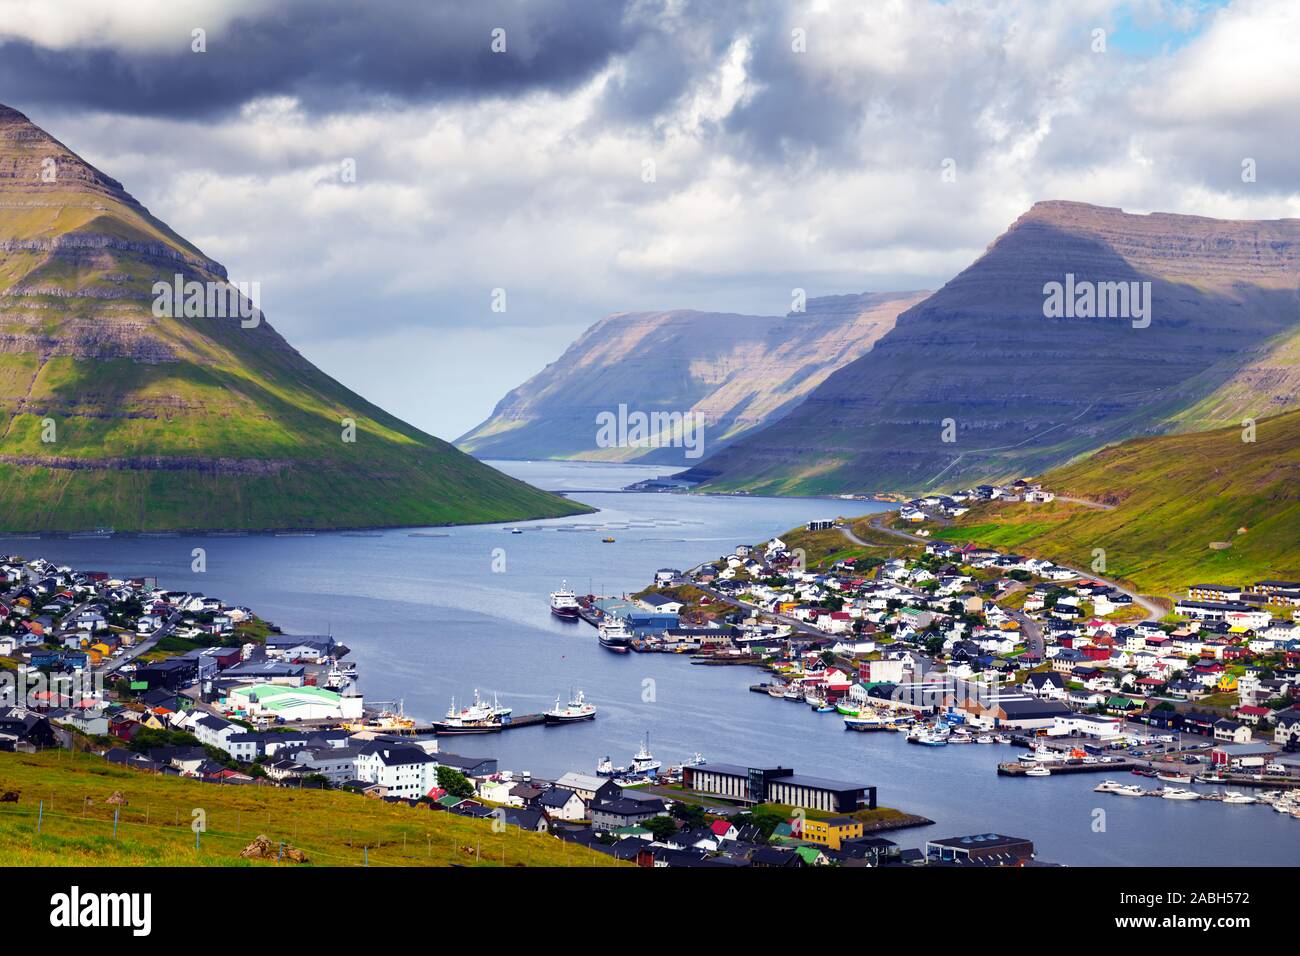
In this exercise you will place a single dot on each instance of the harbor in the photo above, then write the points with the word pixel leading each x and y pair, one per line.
pixel 438 623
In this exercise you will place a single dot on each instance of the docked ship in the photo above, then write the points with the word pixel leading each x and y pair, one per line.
pixel 643 761
pixel 614 635
pixel 479 717
pixel 575 709
pixel 386 721
pixel 868 720
pixel 564 603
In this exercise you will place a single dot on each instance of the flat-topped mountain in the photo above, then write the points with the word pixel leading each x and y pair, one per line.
pixel 1040 351
pixel 738 372
pixel 117 414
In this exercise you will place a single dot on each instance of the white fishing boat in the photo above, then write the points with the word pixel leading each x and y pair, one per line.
pixel 985 739
pixel 564 603
pixel 1038 771
pixel 614 636
pixel 1170 776
pixel 576 709
pixel 643 761
pixel 1041 755
pixel 868 720
pixel 605 768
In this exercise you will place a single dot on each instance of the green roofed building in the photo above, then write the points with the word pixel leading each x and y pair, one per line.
pixel 294 703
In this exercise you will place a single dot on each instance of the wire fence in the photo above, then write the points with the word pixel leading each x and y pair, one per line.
pixel 166 831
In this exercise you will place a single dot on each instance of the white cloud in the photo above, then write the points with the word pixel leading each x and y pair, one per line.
pixel 542 194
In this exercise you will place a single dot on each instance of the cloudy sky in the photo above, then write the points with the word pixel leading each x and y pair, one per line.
pixel 792 144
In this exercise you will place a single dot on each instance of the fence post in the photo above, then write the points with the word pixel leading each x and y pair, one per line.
pixel 365 855
pixel 40 815
pixel 116 811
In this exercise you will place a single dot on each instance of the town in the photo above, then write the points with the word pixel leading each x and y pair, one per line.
pixel 954 644
pixel 183 684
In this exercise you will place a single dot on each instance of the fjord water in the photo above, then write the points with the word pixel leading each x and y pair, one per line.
pixel 428 618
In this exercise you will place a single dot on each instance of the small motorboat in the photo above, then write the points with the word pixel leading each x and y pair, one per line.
pixel 1235 796
pixel 1172 777
pixel 1108 786
pixel 1038 771
pixel 607 540
pixel 1178 793
pixel 1129 790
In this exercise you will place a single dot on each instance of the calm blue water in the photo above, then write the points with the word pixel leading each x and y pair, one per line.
pixel 427 619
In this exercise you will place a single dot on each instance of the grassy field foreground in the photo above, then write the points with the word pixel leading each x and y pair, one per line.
pixel 154 825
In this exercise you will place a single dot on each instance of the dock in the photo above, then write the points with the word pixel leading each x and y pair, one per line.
pixel 1018 769
pixel 523 720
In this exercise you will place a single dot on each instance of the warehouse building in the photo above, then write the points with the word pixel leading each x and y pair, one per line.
pixel 778 785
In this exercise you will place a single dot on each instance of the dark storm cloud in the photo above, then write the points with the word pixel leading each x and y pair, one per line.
pixel 335 55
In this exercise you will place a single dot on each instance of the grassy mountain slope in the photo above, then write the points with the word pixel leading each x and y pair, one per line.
pixel 737 371
pixel 1027 392
pixel 1187 508
pixel 174 423
pixel 153 829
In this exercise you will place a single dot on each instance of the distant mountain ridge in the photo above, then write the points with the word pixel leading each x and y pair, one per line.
pixel 979 362
pixel 114 416
pixel 738 372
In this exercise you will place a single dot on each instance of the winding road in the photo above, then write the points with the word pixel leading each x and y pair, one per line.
pixel 1154 611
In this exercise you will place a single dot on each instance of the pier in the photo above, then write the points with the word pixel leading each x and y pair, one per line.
pixel 1018 769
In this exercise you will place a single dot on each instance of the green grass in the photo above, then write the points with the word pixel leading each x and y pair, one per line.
pixel 190 423
pixel 333 829
pixel 1173 497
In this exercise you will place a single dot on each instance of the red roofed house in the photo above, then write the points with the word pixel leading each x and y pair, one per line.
pixel 723 829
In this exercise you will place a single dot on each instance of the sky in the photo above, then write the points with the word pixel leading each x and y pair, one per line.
pixel 566 159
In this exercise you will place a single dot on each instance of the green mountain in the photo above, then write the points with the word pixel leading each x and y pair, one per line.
pixel 1179 509
pixel 115 416
pixel 735 372
pixel 981 381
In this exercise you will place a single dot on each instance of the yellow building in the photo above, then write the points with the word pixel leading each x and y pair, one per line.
pixel 831 833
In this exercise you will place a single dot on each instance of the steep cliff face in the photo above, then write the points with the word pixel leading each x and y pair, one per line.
pixel 1018 391
pixel 737 372
pixel 115 416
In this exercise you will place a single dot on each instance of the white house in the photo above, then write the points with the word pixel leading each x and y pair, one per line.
pixel 560 803
pixel 403 770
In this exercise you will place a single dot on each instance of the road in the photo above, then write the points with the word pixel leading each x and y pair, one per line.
pixel 784 619
pixel 143 647
pixel 1086 503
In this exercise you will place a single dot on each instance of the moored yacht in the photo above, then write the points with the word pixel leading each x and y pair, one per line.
pixel 1235 796
pixel 1178 793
